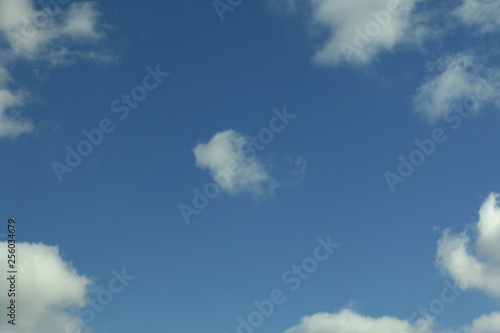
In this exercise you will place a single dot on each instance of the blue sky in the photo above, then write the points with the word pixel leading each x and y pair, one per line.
pixel 310 127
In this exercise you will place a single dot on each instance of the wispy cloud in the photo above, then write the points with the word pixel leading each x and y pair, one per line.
pixel 298 170
pixel 11 124
pixel 480 14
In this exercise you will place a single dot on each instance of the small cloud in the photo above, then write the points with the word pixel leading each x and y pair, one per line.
pixel 228 159
pixel 81 21
pixel 459 79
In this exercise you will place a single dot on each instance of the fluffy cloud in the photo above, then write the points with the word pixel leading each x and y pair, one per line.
pixel 48 34
pixel 227 157
pixel 482 14
pixel 458 80
pixel 348 321
pixel 485 324
pixel 48 288
pixel 360 30
pixel 478 267
pixel 479 270
pixel 488 228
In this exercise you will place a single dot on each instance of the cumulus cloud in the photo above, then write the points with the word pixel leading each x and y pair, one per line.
pixel 46 33
pixel 349 321
pixel 358 31
pixel 50 34
pixel 48 289
pixel 456 81
pixel 478 269
pixel 485 324
pixel 481 14
pixel 231 161
pixel 475 266
pixel 488 228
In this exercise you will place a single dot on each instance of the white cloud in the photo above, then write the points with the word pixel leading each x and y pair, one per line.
pixel 480 271
pixel 44 34
pixel 482 14
pixel 488 229
pixel 485 324
pixel 48 287
pixel 479 268
pixel 11 125
pixel 48 34
pixel 226 156
pixel 349 321
pixel 461 80
pixel 82 21
pixel 358 31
